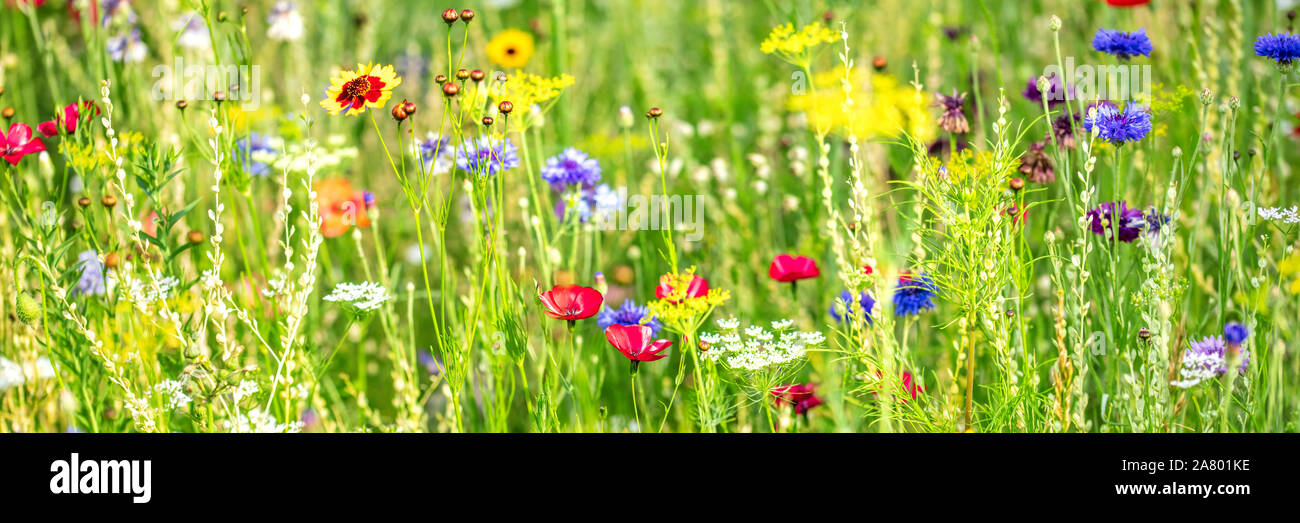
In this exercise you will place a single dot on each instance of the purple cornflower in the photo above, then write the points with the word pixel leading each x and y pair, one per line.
pixel 1119 127
pixel 1121 44
pixel 1282 48
pixel 571 167
pixel 841 305
pixel 1207 359
pixel 1154 220
pixel 1055 92
pixel 1235 333
pixel 953 119
pixel 258 145
pixel 915 293
pixel 1063 129
pixel 629 314
pixel 1108 215
pixel 91 282
pixel 127 48
pixel 484 155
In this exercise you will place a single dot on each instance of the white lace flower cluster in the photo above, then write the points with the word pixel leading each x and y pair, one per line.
pixel 758 348
pixel 142 294
pixel 362 297
pixel 1281 214
pixel 261 421
pixel 174 392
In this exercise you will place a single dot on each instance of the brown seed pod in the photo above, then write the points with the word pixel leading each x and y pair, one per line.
pixel 112 260
pixel 195 236
pixel 450 16
pixel 83 202
pixel 505 107
pixel 109 201
pixel 450 89
pixel 1017 184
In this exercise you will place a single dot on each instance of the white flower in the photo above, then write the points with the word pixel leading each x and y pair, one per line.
pixel 1280 214
pixel 261 421
pixel 362 297
pixel 11 374
pixel 194 31
pixel 284 22
pixel 175 392
pixel 245 389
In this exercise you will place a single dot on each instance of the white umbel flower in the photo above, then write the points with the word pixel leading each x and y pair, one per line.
pixel 361 297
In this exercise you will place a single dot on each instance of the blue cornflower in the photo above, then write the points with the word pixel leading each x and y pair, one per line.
pixel 1235 333
pixel 127 48
pixel 1155 220
pixel 1121 44
pixel 915 293
pixel 629 314
pixel 477 155
pixel 1282 48
pixel 252 150
pixel 840 305
pixel 434 146
pixel 1117 126
pixel 571 167
pixel 91 281
pixel 599 201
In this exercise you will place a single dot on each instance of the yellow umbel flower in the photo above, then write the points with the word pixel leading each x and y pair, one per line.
pixel 979 167
pixel 794 45
pixel 370 85
pixel 511 48
pixel 685 301
pixel 883 107
pixel 533 93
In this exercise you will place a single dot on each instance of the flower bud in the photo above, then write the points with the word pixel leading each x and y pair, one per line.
pixel 409 107
pixel 462 74
pixel 83 202
pixel 112 260
pixel 8 112
pixel 1054 23
pixel 467 15
pixel 625 116
pixel 450 16
pixel 440 79
pixel 488 121
pixel 195 236
pixel 477 75
pixel 654 112
pixel 450 89
pixel 29 310
pixel 879 63
pixel 109 201
pixel 399 112
pixel 506 107
pixel 182 104
pixel 1207 97
pixel 1017 184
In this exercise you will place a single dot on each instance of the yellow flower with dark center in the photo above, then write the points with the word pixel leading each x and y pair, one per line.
pixel 511 48
pixel 370 85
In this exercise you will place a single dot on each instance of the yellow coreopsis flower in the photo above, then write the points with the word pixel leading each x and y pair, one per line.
pixel 511 48
pixel 370 85
pixel 883 107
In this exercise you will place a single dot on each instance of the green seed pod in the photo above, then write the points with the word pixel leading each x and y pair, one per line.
pixel 29 310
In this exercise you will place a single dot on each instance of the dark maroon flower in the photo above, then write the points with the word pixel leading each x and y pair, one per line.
pixel 1055 92
pixel 953 119
pixel 1035 164
pixel 1063 130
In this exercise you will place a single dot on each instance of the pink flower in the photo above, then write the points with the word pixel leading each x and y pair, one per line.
pixel 637 343
pixel 786 268
pixel 18 142
pixel 571 302
pixel 71 115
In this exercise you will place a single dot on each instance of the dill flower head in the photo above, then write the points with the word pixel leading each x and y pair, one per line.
pixel 1283 48
pixel 1207 359
pixel 370 85
pixel 684 300
pixel 360 298
pixel 794 46
pixel 953 119
pixel 571 167
pixel 629 314
pixel 841 305
pixel 1121 44
pixel 1109 216
pixel 486 156
pixel 1117 126
pixel 914 293
pixel 511 48
pixel 756 348
pixel 883 106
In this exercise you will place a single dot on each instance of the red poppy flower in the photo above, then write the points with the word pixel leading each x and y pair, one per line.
pixel 571 302
pixel 698 287
pixel 636 342
pixel 71 115
pixel 786 268
pixel 802 397
pixel 19 143
pixel 1127 3
pixel 910 385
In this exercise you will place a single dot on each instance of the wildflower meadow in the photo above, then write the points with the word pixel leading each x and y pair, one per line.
pixel 623 216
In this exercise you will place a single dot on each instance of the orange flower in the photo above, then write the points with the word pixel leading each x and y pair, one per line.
pixel 341 207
